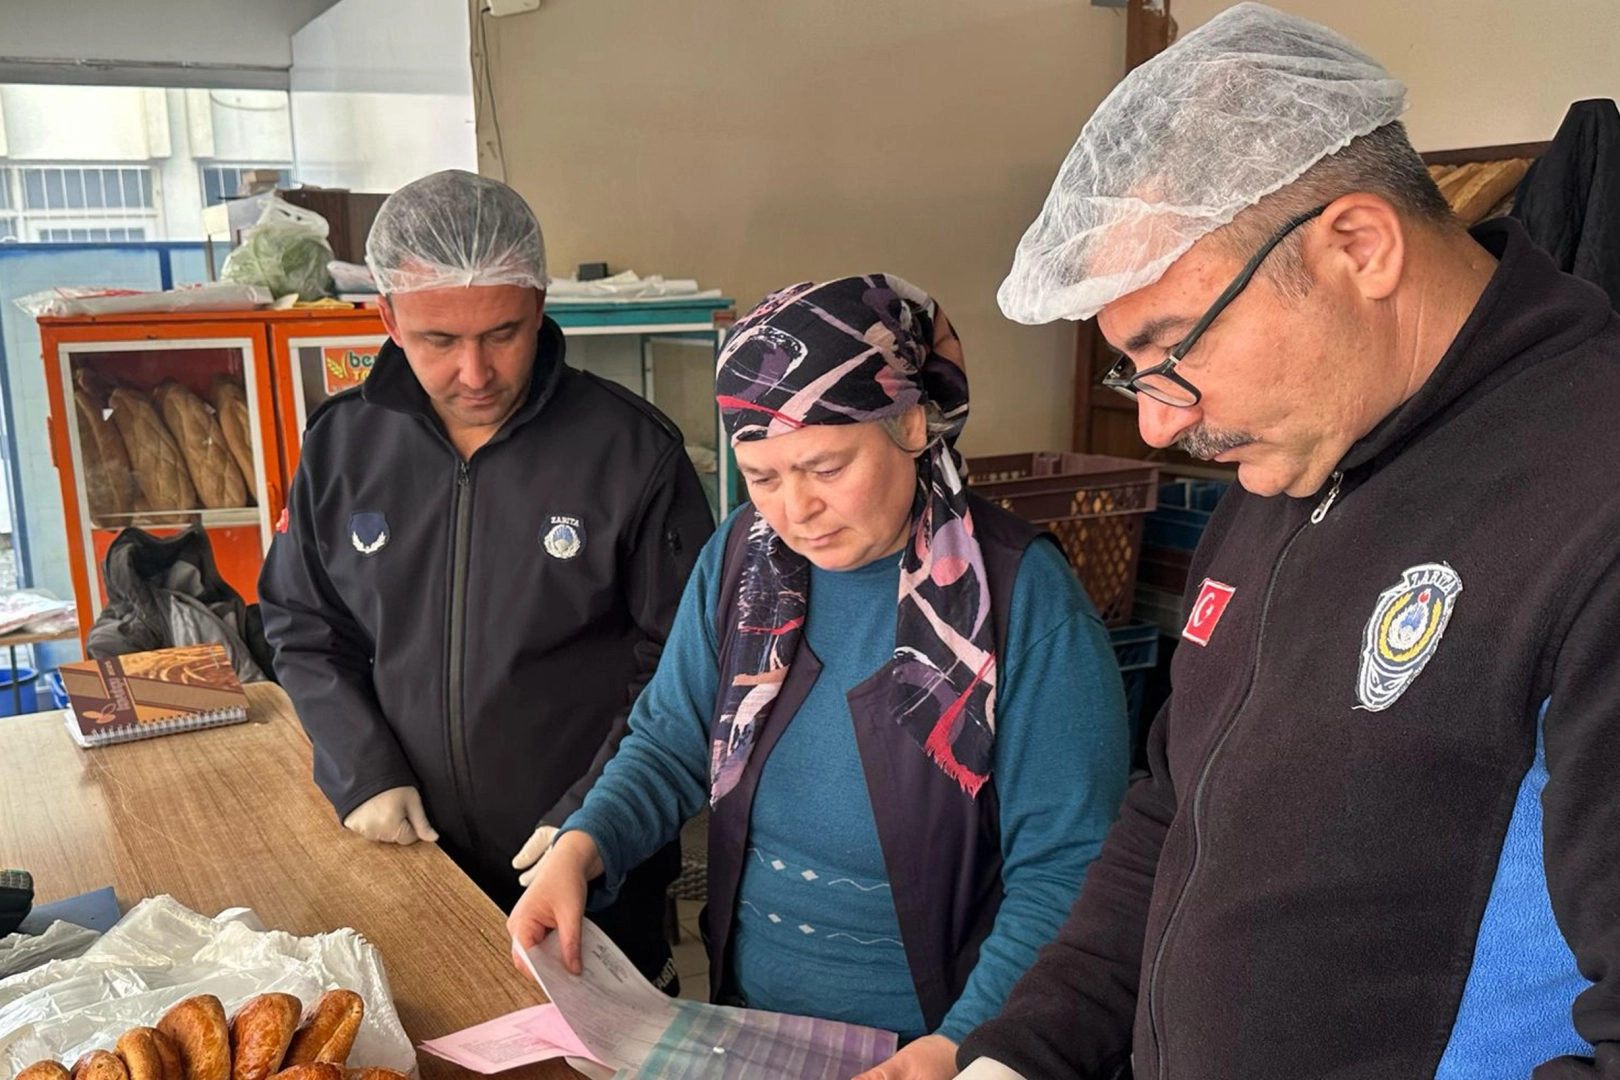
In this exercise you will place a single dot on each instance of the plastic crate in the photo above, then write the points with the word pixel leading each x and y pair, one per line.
pixel 1172 532
pixel 1092 503
pixel 1136 648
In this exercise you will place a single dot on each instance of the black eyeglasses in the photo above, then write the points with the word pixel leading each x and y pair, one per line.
pixel 1160 382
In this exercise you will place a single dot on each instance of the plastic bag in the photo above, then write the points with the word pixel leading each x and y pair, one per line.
pixel 97 300
pixel 162 952
pixel 286 252
pixel 348 277
pixel 30 608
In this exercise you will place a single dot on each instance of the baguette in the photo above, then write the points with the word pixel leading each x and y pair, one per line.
pixel 109 485
pixel 197 1026
pixel 1475 199
pixel 373 1074
pixel 196 431
pixel 154 455
pixel 311 1070
pixel 328 1031
pixel 230 403
pixel 150 1055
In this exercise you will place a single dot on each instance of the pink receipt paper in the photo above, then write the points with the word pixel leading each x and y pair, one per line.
pixel 521 1038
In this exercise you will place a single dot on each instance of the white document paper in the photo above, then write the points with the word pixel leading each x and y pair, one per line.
pixel 629 1025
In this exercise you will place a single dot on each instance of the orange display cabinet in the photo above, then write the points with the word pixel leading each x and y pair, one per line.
pixel 314 360
pixel 135 402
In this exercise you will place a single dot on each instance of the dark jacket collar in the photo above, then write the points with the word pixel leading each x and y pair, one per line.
pixel 1529 311
pixel 393 385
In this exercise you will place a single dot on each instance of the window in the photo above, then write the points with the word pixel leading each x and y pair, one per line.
pixel 221 182
pixel 82 204
pixel 95 235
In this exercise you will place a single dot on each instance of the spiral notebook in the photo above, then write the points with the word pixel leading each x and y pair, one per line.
pixel 147 694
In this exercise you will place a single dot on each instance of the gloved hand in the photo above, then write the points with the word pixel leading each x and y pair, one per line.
pixel 394 817
pixel 528 860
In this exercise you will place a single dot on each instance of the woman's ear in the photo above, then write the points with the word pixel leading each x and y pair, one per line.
pixel 914 429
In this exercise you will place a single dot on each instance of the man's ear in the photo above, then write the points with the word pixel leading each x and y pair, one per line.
pixel 1362 240
pixel 386 309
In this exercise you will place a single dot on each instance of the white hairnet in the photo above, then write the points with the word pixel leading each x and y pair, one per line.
pixel 455 228
pixel 1238 108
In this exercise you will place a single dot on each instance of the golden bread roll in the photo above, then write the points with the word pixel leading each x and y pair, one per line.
pixel 328 1031
pixel 150 1055
pixel 373 1074
pixel 1480 195
pixel 230 403
pixel 109 485
pixel 208 460
pixel 261 1031
pixel 311 1070
pixel 155 457
pixel 1453 181
pixel 100 1065
pixel 197 1026
pixel 44 1070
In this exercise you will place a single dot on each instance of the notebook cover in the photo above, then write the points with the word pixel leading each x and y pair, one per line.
pixel 166 687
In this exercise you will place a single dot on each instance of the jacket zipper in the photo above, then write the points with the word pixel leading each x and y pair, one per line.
pixel 1316 517
pixel 460 545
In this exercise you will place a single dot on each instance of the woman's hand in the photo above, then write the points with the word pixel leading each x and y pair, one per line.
pixel 555 899
pixel 932 1057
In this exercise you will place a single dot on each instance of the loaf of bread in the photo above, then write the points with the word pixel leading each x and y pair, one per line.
pixel 44 1070
pixel 311 1070
pixel 100 1065
pixel 230 404
pixel 96 386
pixel 1492 181
pixel 150 1055
pixel 261 1031
pixel 109 485
pixel 373 1074
pixel 155 457
pixel 197 1026
pixel 213 470
pixel 328 1031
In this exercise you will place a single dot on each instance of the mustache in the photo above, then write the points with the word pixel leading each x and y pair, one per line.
pixel 1205 443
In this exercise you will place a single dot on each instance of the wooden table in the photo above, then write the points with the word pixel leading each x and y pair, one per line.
pixel 229 817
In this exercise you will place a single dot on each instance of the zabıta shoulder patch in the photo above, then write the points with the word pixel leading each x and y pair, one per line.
pixel 1404 631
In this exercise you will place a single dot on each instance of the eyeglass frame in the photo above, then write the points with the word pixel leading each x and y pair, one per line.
pixel 1128 385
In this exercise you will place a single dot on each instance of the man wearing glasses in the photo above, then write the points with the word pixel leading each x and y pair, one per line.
pixel 1380 836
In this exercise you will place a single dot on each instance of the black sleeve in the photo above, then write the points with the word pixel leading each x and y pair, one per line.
pixel 673 526
pixel 323 661
pixel 1071 1014
pixel 1581 822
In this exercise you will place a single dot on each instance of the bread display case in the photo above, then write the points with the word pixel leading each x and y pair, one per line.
pixel 160 422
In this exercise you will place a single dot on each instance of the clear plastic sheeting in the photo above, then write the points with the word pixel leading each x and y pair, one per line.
pixel 1237 109
pixel 162 952
pixel 60 941
pixel 454 228
pixel 96 300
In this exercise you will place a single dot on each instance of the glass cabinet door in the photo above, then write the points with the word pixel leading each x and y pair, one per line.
pixel 322 367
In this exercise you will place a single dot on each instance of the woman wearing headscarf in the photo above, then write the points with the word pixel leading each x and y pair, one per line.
pixel 901 709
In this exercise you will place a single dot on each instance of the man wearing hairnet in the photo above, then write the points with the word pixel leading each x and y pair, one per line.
pixel 1380 836
pixel 481 558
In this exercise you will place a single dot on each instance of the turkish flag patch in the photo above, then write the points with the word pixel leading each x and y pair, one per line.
pixel 281 522
pixel 1211 605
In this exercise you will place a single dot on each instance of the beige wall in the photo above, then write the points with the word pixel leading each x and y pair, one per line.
pixel 754 143
pixel 1478 72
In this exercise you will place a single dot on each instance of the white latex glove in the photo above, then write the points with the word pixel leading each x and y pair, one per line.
pixel 394 817
pixel 528 860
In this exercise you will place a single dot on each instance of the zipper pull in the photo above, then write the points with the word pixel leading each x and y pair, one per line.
pixel 1327 503
pixel 464 473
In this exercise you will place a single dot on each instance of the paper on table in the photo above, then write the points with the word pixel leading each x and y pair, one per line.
pixel 629 1025
pixel 520 1038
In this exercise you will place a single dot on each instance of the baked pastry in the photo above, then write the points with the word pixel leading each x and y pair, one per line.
pixel 230 404
pixel 100 1065
pixel 44 1070
pixel 311 1070
pixel 213 470
pixel 328 1031
pixel 150 1055
pixel 109 485
pixel 197 1026
pixel 261 1031
pixel 159 467
pixel 373 1074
